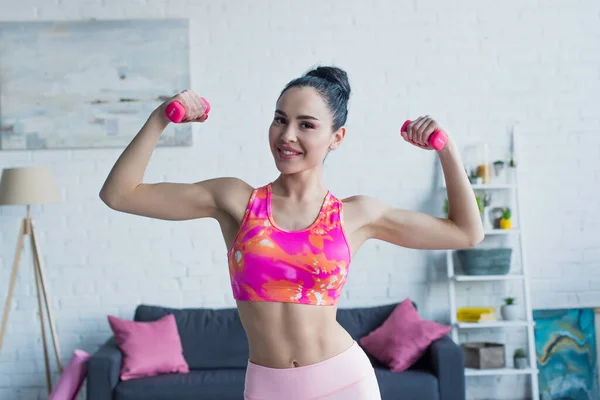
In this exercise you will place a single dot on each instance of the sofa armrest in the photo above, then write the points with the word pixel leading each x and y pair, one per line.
pixel 103 370
pixel 447 361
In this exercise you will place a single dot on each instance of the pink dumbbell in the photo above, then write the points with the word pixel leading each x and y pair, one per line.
pixel 176 111
pixel 437 139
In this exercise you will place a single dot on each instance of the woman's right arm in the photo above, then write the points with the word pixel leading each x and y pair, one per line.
pixel 124 191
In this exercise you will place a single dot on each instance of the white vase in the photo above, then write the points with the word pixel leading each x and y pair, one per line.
pixel 510 312
pixel 521 362
pixel 501 177
pixel 485 219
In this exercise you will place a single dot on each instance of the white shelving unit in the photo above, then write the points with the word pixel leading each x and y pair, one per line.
pixel 522 276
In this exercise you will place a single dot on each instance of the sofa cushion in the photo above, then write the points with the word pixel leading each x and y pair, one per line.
pixel 360 321
pixel 221 384
pixel 408 385
pixel 403 338
pixel 211 338
pixel 149 348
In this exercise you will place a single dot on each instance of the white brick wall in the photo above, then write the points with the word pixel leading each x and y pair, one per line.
pixel 533 62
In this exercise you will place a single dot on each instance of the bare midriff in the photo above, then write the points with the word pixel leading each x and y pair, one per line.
pixel 288 335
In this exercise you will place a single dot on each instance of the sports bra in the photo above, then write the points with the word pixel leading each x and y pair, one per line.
pixel 308 266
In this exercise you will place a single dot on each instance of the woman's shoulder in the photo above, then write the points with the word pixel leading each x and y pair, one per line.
pixel 360 209
pixel 232 193
pixel 237 193
pixel 230 186
pixel 361 202
pixel 231 197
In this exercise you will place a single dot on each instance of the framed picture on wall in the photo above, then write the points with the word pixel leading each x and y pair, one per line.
pixel 89 84
pixel 567 353
pixel 597 321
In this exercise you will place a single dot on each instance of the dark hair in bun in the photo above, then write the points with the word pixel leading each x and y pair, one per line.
pixel 332 83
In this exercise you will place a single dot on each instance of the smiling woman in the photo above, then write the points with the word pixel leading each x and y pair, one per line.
pixel 285 151
pixel 291 241
pixel 311 110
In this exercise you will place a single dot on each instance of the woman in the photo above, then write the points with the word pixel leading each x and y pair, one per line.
pixel 290 242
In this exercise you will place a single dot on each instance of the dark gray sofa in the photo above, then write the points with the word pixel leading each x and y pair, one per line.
pixel 216 350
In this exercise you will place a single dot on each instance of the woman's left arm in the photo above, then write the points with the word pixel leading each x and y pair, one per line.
pixel 412 229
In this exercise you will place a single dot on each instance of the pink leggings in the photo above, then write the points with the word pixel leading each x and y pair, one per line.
pixel 346 376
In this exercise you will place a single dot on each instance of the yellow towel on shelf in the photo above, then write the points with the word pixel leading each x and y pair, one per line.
pixel 476 314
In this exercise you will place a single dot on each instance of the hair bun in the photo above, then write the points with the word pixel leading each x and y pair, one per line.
pixel 334 75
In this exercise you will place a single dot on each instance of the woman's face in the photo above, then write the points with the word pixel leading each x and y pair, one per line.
pixel 300 135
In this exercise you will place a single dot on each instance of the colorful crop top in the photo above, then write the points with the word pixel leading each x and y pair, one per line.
pixel 267 263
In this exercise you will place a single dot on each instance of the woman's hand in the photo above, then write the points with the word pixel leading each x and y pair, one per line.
pixel 195 106
pixel 419 130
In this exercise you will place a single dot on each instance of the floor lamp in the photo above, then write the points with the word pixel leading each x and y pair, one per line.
pixel 27 186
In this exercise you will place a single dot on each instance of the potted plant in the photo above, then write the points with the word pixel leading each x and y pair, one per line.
pixel 520 359
pixel 496 216
pixel 498 167
pixel 509 310
pixel 478 198
pixel 474 178
pixel 486 200
pixel 505 222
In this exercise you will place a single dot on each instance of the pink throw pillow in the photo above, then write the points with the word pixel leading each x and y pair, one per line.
pixel 403 338
pixel 149 348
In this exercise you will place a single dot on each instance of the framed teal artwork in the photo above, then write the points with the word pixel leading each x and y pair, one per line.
pixel 566 352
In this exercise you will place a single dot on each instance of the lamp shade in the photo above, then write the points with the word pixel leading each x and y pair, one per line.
pixel 28 185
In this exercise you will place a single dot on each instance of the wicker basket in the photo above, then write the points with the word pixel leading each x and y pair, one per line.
pixel 485 261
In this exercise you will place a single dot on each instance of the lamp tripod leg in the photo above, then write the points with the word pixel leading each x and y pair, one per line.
pixel 36 271
pixel 46 298
pixel 13 278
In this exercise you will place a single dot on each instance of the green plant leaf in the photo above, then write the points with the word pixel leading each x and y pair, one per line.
pixel 509 300
pixel 519 353
pixel 479 199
